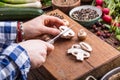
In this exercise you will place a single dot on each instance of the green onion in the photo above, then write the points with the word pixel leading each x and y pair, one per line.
pixel 36 4
pixel 18 1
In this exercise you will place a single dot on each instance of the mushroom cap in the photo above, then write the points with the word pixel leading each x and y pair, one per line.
pixel 82 34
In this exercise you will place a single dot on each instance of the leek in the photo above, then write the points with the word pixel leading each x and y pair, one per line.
pixel 18 1
pixel 36 4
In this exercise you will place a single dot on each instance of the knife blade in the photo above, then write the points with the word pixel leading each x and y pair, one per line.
pixel 56 37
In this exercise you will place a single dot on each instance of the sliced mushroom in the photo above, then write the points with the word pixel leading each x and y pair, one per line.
pixel 77 46
pixel 85 46
pixel 82 34
pixel 66 22
pixel 69 34
pixel 45 37
pixel 79 53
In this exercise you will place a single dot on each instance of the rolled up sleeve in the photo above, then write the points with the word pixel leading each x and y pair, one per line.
pixel 13 60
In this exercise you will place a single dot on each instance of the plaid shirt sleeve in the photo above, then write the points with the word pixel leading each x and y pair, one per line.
pixel 14 60
pixel 8 32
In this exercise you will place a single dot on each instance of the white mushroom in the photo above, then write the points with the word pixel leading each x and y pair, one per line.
pixel 45 37
pixel 85 46
pixel 77 46
pixel 67 35
pixel 82 34
pixel 78 53
pixel 66 22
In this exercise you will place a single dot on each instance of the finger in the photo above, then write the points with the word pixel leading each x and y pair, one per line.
pixel 51 20
pixel 52 31
pixel 50 47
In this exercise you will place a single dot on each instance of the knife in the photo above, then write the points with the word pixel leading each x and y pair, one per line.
pixel 56 37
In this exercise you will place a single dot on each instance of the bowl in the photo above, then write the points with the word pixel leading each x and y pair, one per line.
pixel 65 5
pixel 86 15
pixel 113 74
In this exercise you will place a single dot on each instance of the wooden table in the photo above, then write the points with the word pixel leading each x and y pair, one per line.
pixel 60 66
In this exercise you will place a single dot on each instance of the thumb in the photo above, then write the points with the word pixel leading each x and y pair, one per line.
pixel 52 31
pixel 50 47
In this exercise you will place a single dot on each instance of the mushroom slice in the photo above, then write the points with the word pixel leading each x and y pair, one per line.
pixel 79 53
pixel 82 34
pixel 77 46
pixel 66 22
pixel 69 34
pixel 85 46
pixel 45 37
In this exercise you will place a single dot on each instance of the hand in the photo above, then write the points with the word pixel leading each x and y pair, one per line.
pixel 37 51
pixel 42 25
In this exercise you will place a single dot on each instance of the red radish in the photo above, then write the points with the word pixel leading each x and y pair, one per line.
pixel 107 18
pixel 117 24
pixel 106 11
pixel 114 23
pixel 99 2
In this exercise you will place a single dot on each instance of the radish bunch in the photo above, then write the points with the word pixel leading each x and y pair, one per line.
pixel 111 14
pixel 106 17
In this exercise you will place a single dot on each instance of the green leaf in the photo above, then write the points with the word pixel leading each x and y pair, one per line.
pixel 118 37
pixel 117 31
pixel 118 48
pixel 47 2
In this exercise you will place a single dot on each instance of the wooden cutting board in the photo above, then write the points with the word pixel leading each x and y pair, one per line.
pixel 65 67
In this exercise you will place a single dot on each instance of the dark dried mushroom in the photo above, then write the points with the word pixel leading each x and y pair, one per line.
pixel 85 14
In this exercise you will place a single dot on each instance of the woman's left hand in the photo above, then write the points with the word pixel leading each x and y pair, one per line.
pixel 40 25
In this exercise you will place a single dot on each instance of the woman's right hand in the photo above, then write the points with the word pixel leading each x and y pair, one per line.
pixel 37 51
